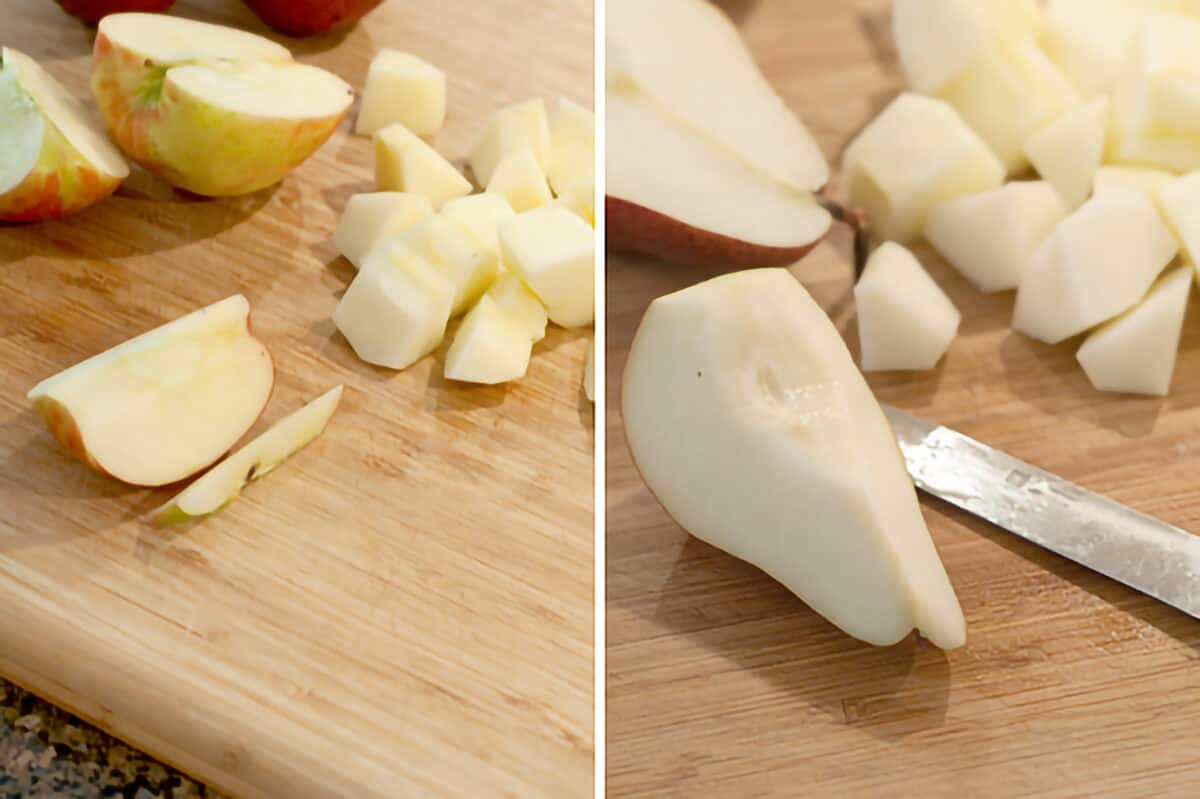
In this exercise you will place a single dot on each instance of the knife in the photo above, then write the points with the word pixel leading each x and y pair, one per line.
pixel 1142 552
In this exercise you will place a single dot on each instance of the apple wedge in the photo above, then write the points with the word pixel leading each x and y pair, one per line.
pixel 678 195
pixel 166 404
pixel 750 423
pixel 210 109
pixel 54 159
pixel 222 484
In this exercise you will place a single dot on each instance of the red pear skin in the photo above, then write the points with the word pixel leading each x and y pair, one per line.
pixel 310 17
pixel 92 11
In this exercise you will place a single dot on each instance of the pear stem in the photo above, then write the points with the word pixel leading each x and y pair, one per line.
pixel 857 220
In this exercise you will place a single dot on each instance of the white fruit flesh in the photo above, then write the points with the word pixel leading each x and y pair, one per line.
pixel 1144 179
pixel 1135 353
pixel 572 147
pixel 275 91
pixel 519 179
pixel 396 308
pixel 404 88
pixel 166 404
pixel 1098 262
pixel 460 258
pixel 706 59
pixel 488 347
pixel 22 129
pixel 511 128
pixel 905 321
pixel 655 162
pixel 370 219
pixel 553 253
pixel 589 372
pixel 581 197
pixel 403 162
pixel 1179 201
pixel 990 237
pixel 167 41
pixel 751 425
pixel 520 304
pixel 1068 151
pixel 913 157
pixel 480 214
pixel 1089 39
pixel 224 482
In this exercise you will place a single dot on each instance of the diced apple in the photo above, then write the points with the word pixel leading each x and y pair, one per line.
pixel 519 179
pixel 1135 353
pixel 224 482
pixel 463 260
pixel 1068 151
pixel 1144 179
pixel 1098 262
pixel 571 124
pixel 396 309
pixel 572 147
pixel 1179 201
pixel 489 347
pixel 990 237
pixel 521 125
pixel 403 162
pixel 404 88
pixel 553 252
pixel 1089 39
pixel 166 404
pixel 520 304
pixel 905 321
pixel 914 156
pixel 581 198
pixel 369 219
pixel 589 372
pixel 480 214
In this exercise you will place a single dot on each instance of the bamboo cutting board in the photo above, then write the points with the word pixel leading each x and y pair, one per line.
pixel 723 684
pixel 403 609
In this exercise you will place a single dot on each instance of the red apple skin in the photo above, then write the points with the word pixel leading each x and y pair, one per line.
pixel 310 17
pixel 634 228
pixel 91 11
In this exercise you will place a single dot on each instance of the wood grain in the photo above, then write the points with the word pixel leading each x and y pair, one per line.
pixel 723 684
pixel 405 608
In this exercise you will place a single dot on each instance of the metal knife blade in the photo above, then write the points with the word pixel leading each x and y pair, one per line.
pixel 1140 551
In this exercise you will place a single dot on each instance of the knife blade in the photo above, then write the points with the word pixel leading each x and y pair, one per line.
pixel 1140 551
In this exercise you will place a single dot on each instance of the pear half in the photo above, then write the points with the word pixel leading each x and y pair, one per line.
pixel 749 421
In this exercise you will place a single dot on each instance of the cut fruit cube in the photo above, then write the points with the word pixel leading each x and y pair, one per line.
pixel 1098 262
pixel 571 124
pixel 581 198
pixel 553 252
pixel 480 214
pixel 396 309
pixel 369 219
pixel 917 154
pixel 905 321
pixel 589 372
pixel 1068 151
pixel 1179 201
pixel 460 257
pixel 1135 353
pixel 1144 179
pixel 489 347
pixel 402 88
pixel 403 162
pixel 1089 39
pixel 990 237
pixel 572 147
pixel 521 125
pixel 520 304
pixel 570 166
pixel 519 179
pixel 224 482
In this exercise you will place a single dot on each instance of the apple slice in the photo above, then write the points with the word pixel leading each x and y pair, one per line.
pixel 1179 201
pixel 553 252
pixel 369 219
pixel 905 321
pixel 1135 353
pixel 671 192
pixel 519 179
pixel 1067 152
pixel 54 159
pixel 781 456
pixel 489 347
pixel 1098 262
pixel 224 482
pixel 989 237
pixel 166 404
pixel 403 162
pixel 511 128
pixel 685 53
pixel 210 109
pixel 917 154
pixel 402 88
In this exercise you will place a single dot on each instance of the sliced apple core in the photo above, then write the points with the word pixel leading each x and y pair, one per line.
pixel 166 40
pixel 272 91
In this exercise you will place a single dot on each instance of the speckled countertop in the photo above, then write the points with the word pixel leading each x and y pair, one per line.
pixel 47 753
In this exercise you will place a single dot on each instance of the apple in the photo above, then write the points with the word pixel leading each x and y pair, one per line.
pixel 1097 262
pixel 1067 152
pixel 402 88
pixel 917 154
pixel 519 179
pixel 489 347
pixel 480 214
pixel 1088 39
pixel 989 237
pixel 781 456
pixel 463 260
pixel 553 252
pixel 589 372
pixel 905 321
pixel 370 219
pixel 92 11
pixel 403 162
pixel 222 484
pixel 572 147
pixel 1179 201
pixel 55 158
pixel 520 304
pixel 309 17
pixel 210 109
pixel 166 404
pixel 1135 353
pixel 1144 179
pixel 510 129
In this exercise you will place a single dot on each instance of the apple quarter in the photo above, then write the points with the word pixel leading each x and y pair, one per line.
pixel 552 250
pixel 404 88
pixel 511 128
pixel 404 162
pixel 369 219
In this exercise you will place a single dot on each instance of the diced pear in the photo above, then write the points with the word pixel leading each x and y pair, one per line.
pixel 489 347
pixel 480 214
pixel 1068 151
pixel 521 125
pixel 519 179
pixel 371 218
pixel 1179 201
pixel 553 252
pixel 404 88
pixel 917 154
pixel 520 304
pixel 1135 352
pixel 589 372
pixel 403 162
pixel 459 256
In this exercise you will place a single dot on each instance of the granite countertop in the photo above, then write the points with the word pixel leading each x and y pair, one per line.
pixel 48 753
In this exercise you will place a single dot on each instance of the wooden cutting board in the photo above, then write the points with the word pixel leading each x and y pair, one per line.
pixel 405 608
pixel 723 684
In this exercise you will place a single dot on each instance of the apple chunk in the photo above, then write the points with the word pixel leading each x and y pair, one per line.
pixel 224 482
pixel 520 304
pixel 403 162
pixel 1068 151
pixel 510 129
pixel 54 159
pixel 371 218
pixel 553 252
pixel 402 88
pixel 480 214
pixel 489 347
pixel 750 423
pixel 166 404
pixel 520 181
